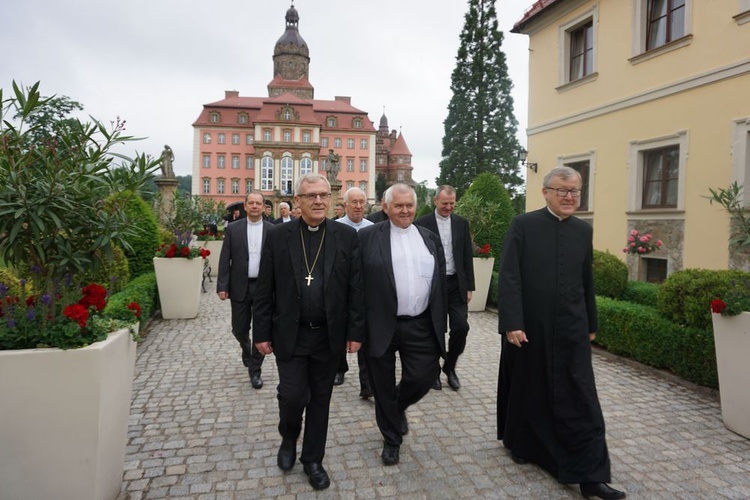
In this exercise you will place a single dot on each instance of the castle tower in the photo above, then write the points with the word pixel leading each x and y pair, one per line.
pixel 291 61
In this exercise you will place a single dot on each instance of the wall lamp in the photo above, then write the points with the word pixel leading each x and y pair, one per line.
pixel 522 155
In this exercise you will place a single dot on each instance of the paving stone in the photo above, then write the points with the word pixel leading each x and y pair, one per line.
pixel 198 430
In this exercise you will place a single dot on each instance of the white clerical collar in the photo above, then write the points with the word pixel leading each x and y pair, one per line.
pixel 553 213
pixel 256 223
pixel 401 230
pixel 440 217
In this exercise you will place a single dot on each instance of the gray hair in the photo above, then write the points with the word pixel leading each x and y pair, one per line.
pixel 310 179
pixel 352 190
pixel 283 203
pixel 449 190
pixel 262 198
pixel 563 173
pixel 400 187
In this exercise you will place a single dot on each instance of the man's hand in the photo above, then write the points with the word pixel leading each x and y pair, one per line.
pixel 515 337
pixel 264 348
pixel 468 296
pixel 352 346
pixel 592 336
pixel 223 295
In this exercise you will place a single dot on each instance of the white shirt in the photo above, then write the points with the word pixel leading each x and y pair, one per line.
pixel 254 244
pixel 413 267
pixel 446 236
pixel 356 225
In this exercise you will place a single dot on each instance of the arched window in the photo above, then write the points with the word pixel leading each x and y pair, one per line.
pixel 305 166
pixel 287 170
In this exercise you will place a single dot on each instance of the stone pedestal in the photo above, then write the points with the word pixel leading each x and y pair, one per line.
pixel 167 189
pixel 335 198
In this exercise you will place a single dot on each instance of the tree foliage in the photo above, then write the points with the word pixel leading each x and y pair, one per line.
pixel 480 130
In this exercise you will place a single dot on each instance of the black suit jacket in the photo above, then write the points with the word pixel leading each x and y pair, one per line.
pixel 276 309
pixel 381 300
pixel 462 251
pixel 280 220
pixel 378 216
pixel 232 275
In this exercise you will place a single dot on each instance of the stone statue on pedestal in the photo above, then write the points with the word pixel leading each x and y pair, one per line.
pixel 167 158
pixel 333 167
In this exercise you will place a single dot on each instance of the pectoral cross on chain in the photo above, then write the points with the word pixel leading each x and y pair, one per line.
pixel 309 278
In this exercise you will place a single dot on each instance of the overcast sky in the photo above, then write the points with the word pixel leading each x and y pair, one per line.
pixel 155 63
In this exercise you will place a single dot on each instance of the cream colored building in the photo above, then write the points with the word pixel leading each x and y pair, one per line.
pixel 650 100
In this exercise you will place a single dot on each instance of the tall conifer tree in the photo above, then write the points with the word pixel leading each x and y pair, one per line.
pixel 480 130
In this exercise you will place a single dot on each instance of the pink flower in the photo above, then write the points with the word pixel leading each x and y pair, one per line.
pixel 659 243
pixel 634 232
pixel 631 238
pixel 632 245
pixel 641 250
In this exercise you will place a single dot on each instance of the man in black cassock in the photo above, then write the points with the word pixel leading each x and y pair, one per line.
pixel 548 411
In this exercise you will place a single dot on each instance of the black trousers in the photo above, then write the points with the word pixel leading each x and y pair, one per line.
pixel 343 367
pixel 458 321
pixel 419 351
pixel 242 316
pixel 305 386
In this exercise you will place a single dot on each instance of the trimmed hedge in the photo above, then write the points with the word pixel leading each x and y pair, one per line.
pixel 141 290
pixel 640 292
pixel 685 296
pixel 610 275
pixel 639 332
pixel 492 293
pixel 140 258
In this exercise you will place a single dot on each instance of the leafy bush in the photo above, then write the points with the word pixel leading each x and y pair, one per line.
pixel 639 332
pixel 487 206
pixel 141 290
pixel 492 293
pixel 10 281
pixel 144 243
pixel 640 292
pixel 113 274
pixel 685 296
pixel 610 275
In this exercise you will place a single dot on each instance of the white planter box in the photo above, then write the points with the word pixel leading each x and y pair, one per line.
pixel 64 420
pixel 179 284
pixel 732 339
pixel 213 260
pixel 482 278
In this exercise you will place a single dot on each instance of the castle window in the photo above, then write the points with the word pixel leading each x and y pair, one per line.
pixel 222 138
pixel 206 138
pixel 331 121
pixel 242 118
pixel 305 166
pixel 235 186
pixel 357 123
pixel 235 138
pixel 266 173
pixel 206 186
pixel 220 186
pixel 214 117
pixel 206 161
pixel 249 139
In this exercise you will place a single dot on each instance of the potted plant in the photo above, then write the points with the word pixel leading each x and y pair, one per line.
pixel 731 323
pixel 178 277
pixel 211 213
pixel 483 264
pixel 66 370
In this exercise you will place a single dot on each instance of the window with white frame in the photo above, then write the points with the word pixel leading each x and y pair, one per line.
pixel 657 172
pixel 235 186
pixel 349 184
pixel 287 136
pixel 337 143
pixel 363 144
pixel 206 161
pixel 220 186
pixel 350 143
pixel 221 161
pixel 249 139
pixel 363 165
pixel 381 160
pixel 215 117
pixel 363 186
pixel 331 121
pixel 222 138
pixel 248 163
pixel 741 156
pixel 242 118
pixel 266 173
pixel 660 23
pixel 305 166
pixel 323 164
pixel 324 142
pixel 582 163
pixel 206 138
pixel 235 139
pixel 350 164
pixel 357 123
pixel 578 47
pixel 248 186
pixel 235 161
pixel 306 136
pixel 287 114
pixel 206 186
pixel 267 135
pixel 287 169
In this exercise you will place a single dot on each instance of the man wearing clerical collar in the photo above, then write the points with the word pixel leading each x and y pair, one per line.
pixel 403 274
pixel 309 310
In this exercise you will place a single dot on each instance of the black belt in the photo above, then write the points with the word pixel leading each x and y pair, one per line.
pixel 252 280
pixel 424 314
pixel 313 325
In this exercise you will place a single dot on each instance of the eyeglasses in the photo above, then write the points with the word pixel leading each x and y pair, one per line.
pixel 314 196
pixel 562 192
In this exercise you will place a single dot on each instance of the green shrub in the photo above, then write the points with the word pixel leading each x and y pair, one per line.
pixel 144 244
pixel 141 290
pixel 492 293
pixel 487 206
pixel 641 292
pixel 114 274
pixel 685 296
pixel 639 332
pixel 10 280
pixel 610 275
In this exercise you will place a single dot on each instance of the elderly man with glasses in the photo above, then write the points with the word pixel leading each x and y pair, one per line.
pixel 548 411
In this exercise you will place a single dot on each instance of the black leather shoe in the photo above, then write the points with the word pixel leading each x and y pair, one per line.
pixel 287 454
pixel 339 379
pixel 437 386
pixel 600 490
pixel 517 459
pixel 365 393
pixel 256 381
pixel 318 475
pixel 403 425
pixel 390 454
pixel 453 381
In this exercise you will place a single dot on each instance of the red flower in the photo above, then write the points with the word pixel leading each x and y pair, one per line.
pixel 94 296
pixel 30 301
pixel 484 249
pixel 204 252
pixel 718 306
pixel 169 253
pixel 133 306
pixel 77 313
pixel 185 251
